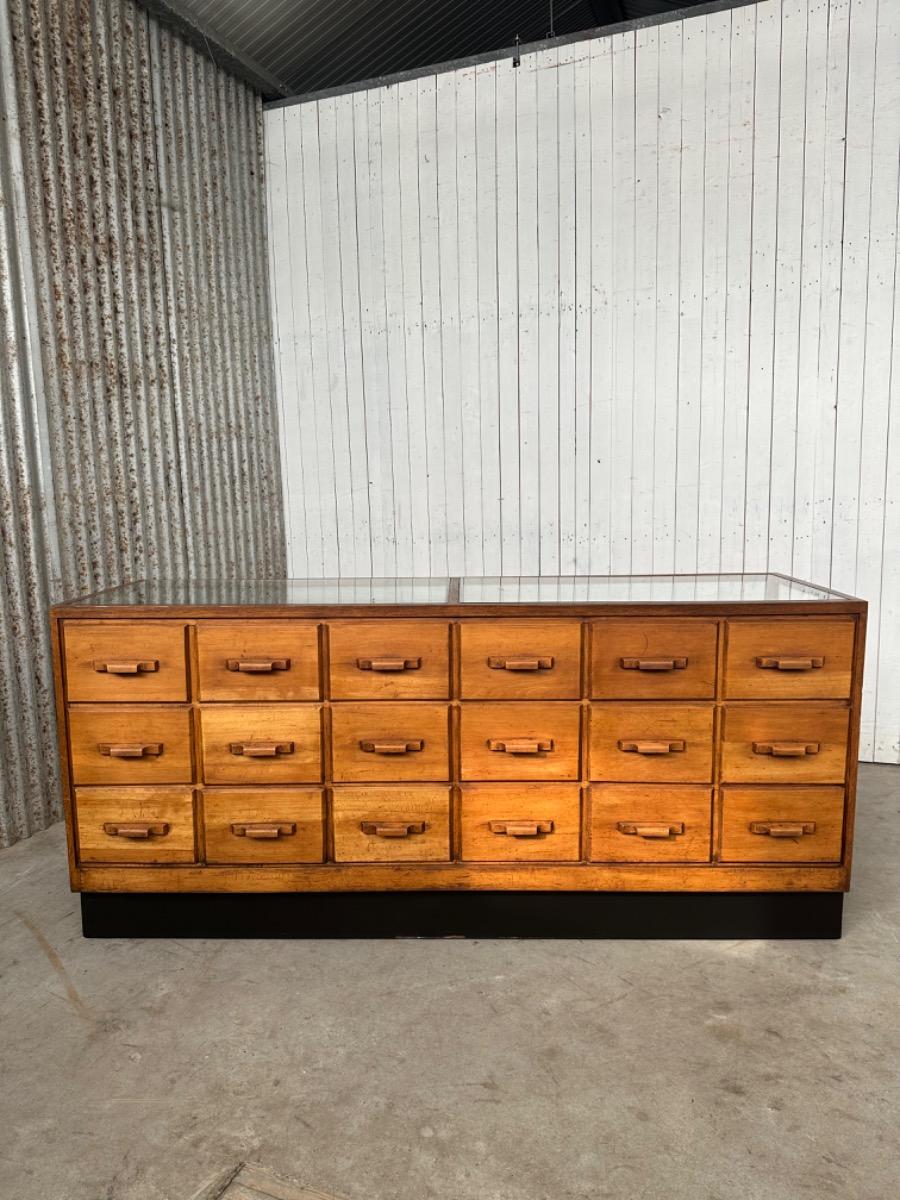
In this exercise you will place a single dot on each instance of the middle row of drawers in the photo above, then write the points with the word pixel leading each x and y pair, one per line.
pixel 289 743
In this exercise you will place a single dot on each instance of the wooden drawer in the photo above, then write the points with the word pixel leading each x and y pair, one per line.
pixel 261 743
pixel 124 660
pixel 520 741
pixel 653 659
pixel 666 743
pixel 782 824
pixel 505 823
pixel 391 824
pixel 789 660
pixel 135 825
pixel 263 825
pixel 258 660
pixel 130 743
pixel 390 741
pixel 389 660
pixel 650 823
pixel 785 743
pixel 520 660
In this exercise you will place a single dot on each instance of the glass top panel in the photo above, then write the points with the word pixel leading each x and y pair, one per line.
pixel 639 589
pixel 573 589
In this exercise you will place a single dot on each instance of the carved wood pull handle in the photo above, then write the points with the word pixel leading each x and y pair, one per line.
pixel 392 746
pixel 786 749
pixel 786 663
pixel 136 831
pixel 388 664
pixel 652 747
pixel 783 829
pixel 651 829
pixel 653 664
pixel 263 830
pixel 392 829
pixel 257 666
pixel 127 666
pixel 261 749
pixel 520 745
pixel 131 749
pixel 542 662
pixel 521 829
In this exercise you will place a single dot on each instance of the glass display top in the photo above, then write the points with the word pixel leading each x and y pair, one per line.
pixel 547 589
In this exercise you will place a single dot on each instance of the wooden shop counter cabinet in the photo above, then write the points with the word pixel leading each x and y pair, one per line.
pixel 599 756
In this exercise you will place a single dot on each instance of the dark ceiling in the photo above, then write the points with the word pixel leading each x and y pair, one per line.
pixel 300 46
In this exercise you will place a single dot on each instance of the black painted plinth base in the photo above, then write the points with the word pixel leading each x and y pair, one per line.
pixel 463 914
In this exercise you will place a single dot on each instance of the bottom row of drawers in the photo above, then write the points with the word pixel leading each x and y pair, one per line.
pixel 498 823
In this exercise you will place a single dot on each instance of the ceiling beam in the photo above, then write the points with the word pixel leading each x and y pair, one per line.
pixel 206 38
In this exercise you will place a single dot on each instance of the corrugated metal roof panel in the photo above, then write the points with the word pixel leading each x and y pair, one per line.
pixel 315 44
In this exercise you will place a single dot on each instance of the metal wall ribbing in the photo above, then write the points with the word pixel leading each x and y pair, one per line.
pixel 139 434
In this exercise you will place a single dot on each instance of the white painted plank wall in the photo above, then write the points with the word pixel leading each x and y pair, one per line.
pixel 628 307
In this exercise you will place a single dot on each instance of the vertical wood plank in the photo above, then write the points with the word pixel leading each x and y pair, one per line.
pixel 507 217
pixel 602 449
pixel 529 334
pixel 432 325
pixel 646 135
pixel 738 259
pixel 487 394
pixel 583 333
pixel 668 294
pixel 690 327
pixel 623 237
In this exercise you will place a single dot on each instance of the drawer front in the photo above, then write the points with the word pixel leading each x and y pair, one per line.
pixel 649 660
pixel 520 741
pixel 130 743
pixel 135 825
pixel 390 741
pixel 258 660
pixel 391 824
pixel 666 743
pixel 655 823
pixel 263 743
pixel 787 743
pixel 124 660
pixel 785 660
pixel 503 823
pixel 263 825
pixel 389 660
pixel 521 660
pixel 782 824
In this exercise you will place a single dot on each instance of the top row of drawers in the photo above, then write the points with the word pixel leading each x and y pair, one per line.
pixel 632 658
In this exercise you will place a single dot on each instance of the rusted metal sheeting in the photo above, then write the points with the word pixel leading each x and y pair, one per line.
pixel 142 190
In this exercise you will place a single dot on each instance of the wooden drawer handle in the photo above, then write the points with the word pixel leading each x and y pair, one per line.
pixel 263 830
pixel 783 829
pixel 388 664
pixel 520 829
pixel 652 747
pixel 783 663
pixel 261 749
pixel 520 745
pixel 786 749
pixel 136 831
pixel 651 829
pixel 543 662
pixel 131 749
pixel 392 829
pixel 257 666
pixel 128 666
pixel 653 664
pixel 392 746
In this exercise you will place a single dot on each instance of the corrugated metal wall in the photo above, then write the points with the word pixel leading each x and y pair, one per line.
pixel 629 307
pixel 139 433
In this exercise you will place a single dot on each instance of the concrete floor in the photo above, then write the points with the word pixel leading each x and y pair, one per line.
pixel 456 1070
